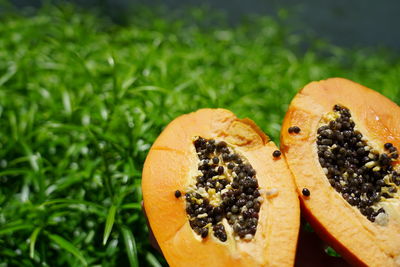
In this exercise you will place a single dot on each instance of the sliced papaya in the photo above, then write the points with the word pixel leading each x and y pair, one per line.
pixel 341 143
pixel 217 194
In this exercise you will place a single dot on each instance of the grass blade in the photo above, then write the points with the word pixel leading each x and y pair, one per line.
pixel 14 172
pixel 72 201
pixel 130 246
pixel 63 243
pixel 32 241
pixel 152 260
pixel 7 229
pixel 109 223
pixel 8 75
pixel 135 206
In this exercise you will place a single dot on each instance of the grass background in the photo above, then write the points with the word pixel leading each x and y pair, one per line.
pixel 82 99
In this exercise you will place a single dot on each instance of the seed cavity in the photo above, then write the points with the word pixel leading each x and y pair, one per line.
pixel 363 176
pixel 225 192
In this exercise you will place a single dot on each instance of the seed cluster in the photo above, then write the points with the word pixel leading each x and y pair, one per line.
pixel 227 188
pixel 358 172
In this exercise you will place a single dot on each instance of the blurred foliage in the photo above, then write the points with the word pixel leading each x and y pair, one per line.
pixel 82 100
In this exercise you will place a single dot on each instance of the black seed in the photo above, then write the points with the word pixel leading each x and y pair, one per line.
pixel 219 232
pixel 338 187
pixel 235 185
pixel 217 211
pixel 234 157
pixel 254 214
pixel 236 169
pixel 295 129
pixel 226 157
pixel 337 107
pixel 225 150
pixel 231 165
pixel 249 204
pixel 253 230
pixel 201 223
pixel 220 170
pixel 218 218
pixel 388 145
pixel 199 142
pixel 322 128
pixel 247 183
pixel 367 187
pixel 276 154
pixel 249 190
pixel 246 214
pixel 257 206
pixel 361 151
pixel 241 202
pixel 327 142
pixel 305 192
pixel 204 232
pixel 384 159
pixel 328 154
pixel 215 160
pixel 250 197
pixel 347 134
pixel 242 233
pixel 235 209
pixel 221 145
pixel 189 209
pixel 178 194
pixel 376 196
pixel 251 172
pixel 327 133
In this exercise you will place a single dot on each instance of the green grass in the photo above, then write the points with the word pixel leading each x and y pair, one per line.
pixel 82 100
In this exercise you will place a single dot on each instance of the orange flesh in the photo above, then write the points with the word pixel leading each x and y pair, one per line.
pixel 168 168
pixel 360 241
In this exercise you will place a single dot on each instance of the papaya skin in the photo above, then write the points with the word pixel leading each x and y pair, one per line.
pixel 359 241
pixel 168 168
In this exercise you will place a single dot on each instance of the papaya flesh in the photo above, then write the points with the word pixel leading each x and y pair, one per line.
pixel 340 140
pixel 215 195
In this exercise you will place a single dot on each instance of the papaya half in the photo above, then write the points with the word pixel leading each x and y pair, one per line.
pixel 341 140
pixel 218 193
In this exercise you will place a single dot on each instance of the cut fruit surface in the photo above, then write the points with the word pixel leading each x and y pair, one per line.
pixel 344 158
pixel 217 193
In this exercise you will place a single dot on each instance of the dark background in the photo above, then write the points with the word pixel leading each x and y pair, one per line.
pixel 341 22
